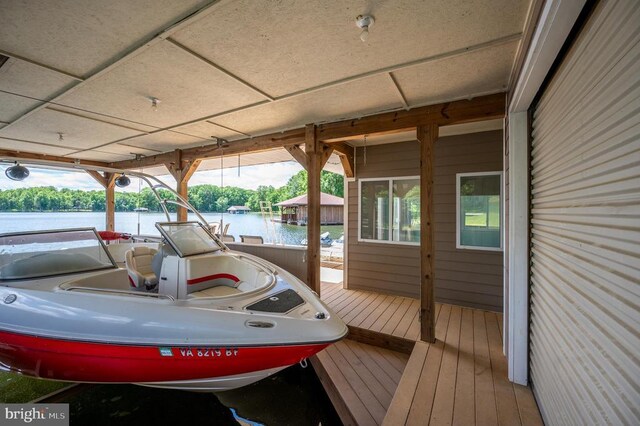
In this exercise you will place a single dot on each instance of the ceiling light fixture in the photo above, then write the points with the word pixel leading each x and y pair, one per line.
pixel 154 103
pixel 122 181
pixel 17 172
pixel 60 136
pixel 364 22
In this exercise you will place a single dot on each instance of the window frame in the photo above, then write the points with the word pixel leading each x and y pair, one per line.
pixel 482 248
pixel 390 181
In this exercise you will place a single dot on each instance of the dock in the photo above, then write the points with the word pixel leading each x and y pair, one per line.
pixel 383 374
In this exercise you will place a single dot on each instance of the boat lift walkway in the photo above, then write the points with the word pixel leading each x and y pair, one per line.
pixel 461 379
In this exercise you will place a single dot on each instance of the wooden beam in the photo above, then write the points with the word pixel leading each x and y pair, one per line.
pixel 110 201
pixel 99 177
pixel 182 171
pixel 20 155
pixel 448 113
pixel 150 161
pixel 242 146
pixel 298 155
pixel 314 155
pixel 327 150
pixel 427 135
pixel 347 157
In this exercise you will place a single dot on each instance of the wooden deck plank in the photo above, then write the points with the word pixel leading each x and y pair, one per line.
pixel 464 405
pixel 442 412
pixel 375 409
pixel 397 316
pixel 529 411
pixel 375 314
pixel 366 312
pixel 403 398
pixel 506 404
pixel 485 403
pixel 395 359
pixel 329 299
pixel 356 409
pixel 413 333
pixel 346 307
pixel 423 400
pixel 461 379
pixel 363 365
pixel 408 317
pixel 377 360
pixel 339 297
pixel 384 318
pixel 329 288
pixel 347 317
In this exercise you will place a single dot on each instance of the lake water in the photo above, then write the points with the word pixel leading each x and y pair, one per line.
pixel 241 224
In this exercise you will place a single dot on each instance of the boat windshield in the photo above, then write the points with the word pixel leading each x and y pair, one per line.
pixel 188 238
pixel 44 254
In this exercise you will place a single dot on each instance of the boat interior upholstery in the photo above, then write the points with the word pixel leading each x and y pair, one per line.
pixel 115 279
pixel 230 276
pixel 139 262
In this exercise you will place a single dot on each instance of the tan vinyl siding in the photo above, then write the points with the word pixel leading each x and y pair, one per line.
pixel 464 277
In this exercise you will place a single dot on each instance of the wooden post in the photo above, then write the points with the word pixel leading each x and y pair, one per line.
pixel 110 207
pixel 427 135
pixel 108 181
pixel 182 171
pixel 314 153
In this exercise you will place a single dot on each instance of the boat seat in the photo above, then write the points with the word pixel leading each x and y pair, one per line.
pixel 139 267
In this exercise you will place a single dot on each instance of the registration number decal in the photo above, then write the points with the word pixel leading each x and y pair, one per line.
pixel 208 352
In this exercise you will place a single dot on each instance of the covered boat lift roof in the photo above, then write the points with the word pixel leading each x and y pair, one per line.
pixel 181 86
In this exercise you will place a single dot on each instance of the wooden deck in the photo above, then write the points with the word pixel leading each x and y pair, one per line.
pixel 461 379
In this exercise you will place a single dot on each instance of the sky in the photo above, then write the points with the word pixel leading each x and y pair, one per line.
pixel 276 174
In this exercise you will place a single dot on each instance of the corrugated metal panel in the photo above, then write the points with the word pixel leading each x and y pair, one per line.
pixel 585 254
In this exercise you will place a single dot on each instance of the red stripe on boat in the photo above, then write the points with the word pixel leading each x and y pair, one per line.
pixel 108 363
pixel 211 278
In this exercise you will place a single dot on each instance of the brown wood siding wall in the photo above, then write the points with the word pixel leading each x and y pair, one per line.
pixel 328 214
pixel 464 277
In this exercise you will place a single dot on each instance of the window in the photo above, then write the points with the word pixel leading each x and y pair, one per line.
pixel 389 210
pixel 479 211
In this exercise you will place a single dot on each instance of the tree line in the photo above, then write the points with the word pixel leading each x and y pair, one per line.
pixel 205 198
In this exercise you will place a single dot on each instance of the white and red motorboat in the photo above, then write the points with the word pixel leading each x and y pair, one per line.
pixel 187 313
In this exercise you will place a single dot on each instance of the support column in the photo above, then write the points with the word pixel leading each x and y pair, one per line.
pixel 110 201
pixel 108 182
pixel 314 153
pixel 182 172
pixel 427 135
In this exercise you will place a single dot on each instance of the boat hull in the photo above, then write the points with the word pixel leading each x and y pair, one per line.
pixel 180 367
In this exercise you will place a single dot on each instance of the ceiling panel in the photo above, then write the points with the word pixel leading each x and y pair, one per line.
pixel 79 133
pixel 32 147
pixel 282 47
pixel 81 36
pixel 128 124
pixel 207 130
pixel 12 107
pixel 166 141
pixel 96 155
pixel 360 97
pixel 127 150
pixel 23 78
pixel 485 71
pixel 186 87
